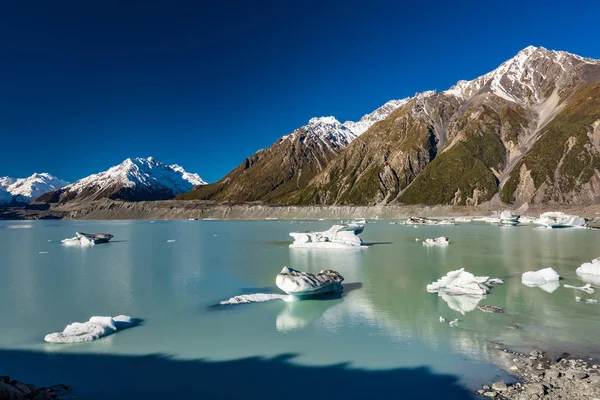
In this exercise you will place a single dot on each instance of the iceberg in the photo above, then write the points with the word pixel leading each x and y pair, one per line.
pixel 427 221
pixel 546 278
pixel 299 283
pixel 255 298
pixel 507 218
pixel 460 283
pixel 589 268
pixel 95 328
pixel 336 237
pixel 441 241
pixel 560 220
pixel 586 288
pixel 495 281
pixel 87 239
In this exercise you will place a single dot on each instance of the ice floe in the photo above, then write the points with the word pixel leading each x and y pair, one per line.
pixel 336 237
pixel 428 221
pixel 95 328
pixel 586 288
pixel 300 283
pixel 560 220
pixel 453 323
pixel 87 239
pixel 587 301
pixel 495 281
pixel 440 241
pixel 459 283
pixel 589 268
pixel 546 279
pixel 256 298
pixel 507 218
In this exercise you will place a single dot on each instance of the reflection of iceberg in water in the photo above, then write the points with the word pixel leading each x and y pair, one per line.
pixel 462 304
pixel 299 314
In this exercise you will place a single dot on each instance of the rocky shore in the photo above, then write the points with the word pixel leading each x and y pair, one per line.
pixel 11 389
pixel 106 209
pixel 541 377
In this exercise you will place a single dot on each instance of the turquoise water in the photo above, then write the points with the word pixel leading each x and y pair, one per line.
pixel 383 335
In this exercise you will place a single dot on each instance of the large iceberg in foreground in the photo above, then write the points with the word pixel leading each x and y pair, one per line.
pixel 560 220
pixel 87 239
pixel 95 328
pixel 336 237
pixel 590 268
pixel 300 283
pixel 460 282
pixel 546 278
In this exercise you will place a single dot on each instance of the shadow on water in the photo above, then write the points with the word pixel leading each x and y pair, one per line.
pixel 158 376
pixel 376 243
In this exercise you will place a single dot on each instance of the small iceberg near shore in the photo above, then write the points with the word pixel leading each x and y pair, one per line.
pixel 336 237
pixel 546 279
pixel 552 220
pixel 301 284
pixel 507 218
pixel 441 241
pixel 95 328
pixel 87 239
pixel 428 221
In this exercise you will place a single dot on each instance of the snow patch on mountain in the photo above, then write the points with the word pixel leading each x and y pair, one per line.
pixel 141 173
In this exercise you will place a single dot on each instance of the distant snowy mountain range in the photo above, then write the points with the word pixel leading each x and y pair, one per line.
pixel 24 190
pixel 135 179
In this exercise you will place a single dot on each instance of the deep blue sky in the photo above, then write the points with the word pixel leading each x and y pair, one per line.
pixel 86 84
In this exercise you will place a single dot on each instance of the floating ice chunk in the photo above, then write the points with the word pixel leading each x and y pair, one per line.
pixel 507 218
pixel 300 283
pixel 428 221
pixel 589 268
pixel 254 298
pixel 460 282
pixel 442 319
pixel 441 241
pixel 495 281
pixel 87 239
pixel 490 309
pixel 587 301
pixel 171 241
pixel 95 328
pixel 586 288
pixel 463 219
pixel 336 237
pixel 463 304
pixel 541 278
pixel 43 252
pixel 453 323
pixel 560 220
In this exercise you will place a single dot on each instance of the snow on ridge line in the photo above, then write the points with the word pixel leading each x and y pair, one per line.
pixel 24 190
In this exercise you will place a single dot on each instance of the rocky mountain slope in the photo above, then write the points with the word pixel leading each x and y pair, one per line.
pixel 24 190
pixel 292 161
pixel 135 179
pixel 529 131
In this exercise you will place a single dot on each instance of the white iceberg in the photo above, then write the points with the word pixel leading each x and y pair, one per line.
pixel 255 298
pixel 336 237
pixel 587 301
pixel 427 221
pixel 546 278
pixel 495 281
pixel 463 220
pixel 586 288
pixel 490 220
pixel 95 328
pixel 560 220
pixel 459 283
pixel 507 218
pixel 589 268
pixel 526 220
pixel 299 283
pixel 87 239
pixel 441 241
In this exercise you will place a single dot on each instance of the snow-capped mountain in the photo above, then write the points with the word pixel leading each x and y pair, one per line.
pixel 292 160
pixel 338 135
pixel 529 77
pixel 135 179
pixel 24 190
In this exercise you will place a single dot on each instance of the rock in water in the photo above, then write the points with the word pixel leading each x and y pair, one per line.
pixel 336 237
pixel 300 283
pixel 490 309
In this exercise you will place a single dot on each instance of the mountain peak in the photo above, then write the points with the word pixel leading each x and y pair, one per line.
pixel 24 190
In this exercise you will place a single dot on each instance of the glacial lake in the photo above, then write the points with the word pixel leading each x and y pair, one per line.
pixel 382 336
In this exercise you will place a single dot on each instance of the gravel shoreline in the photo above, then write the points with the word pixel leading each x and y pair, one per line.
pixel 541 377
